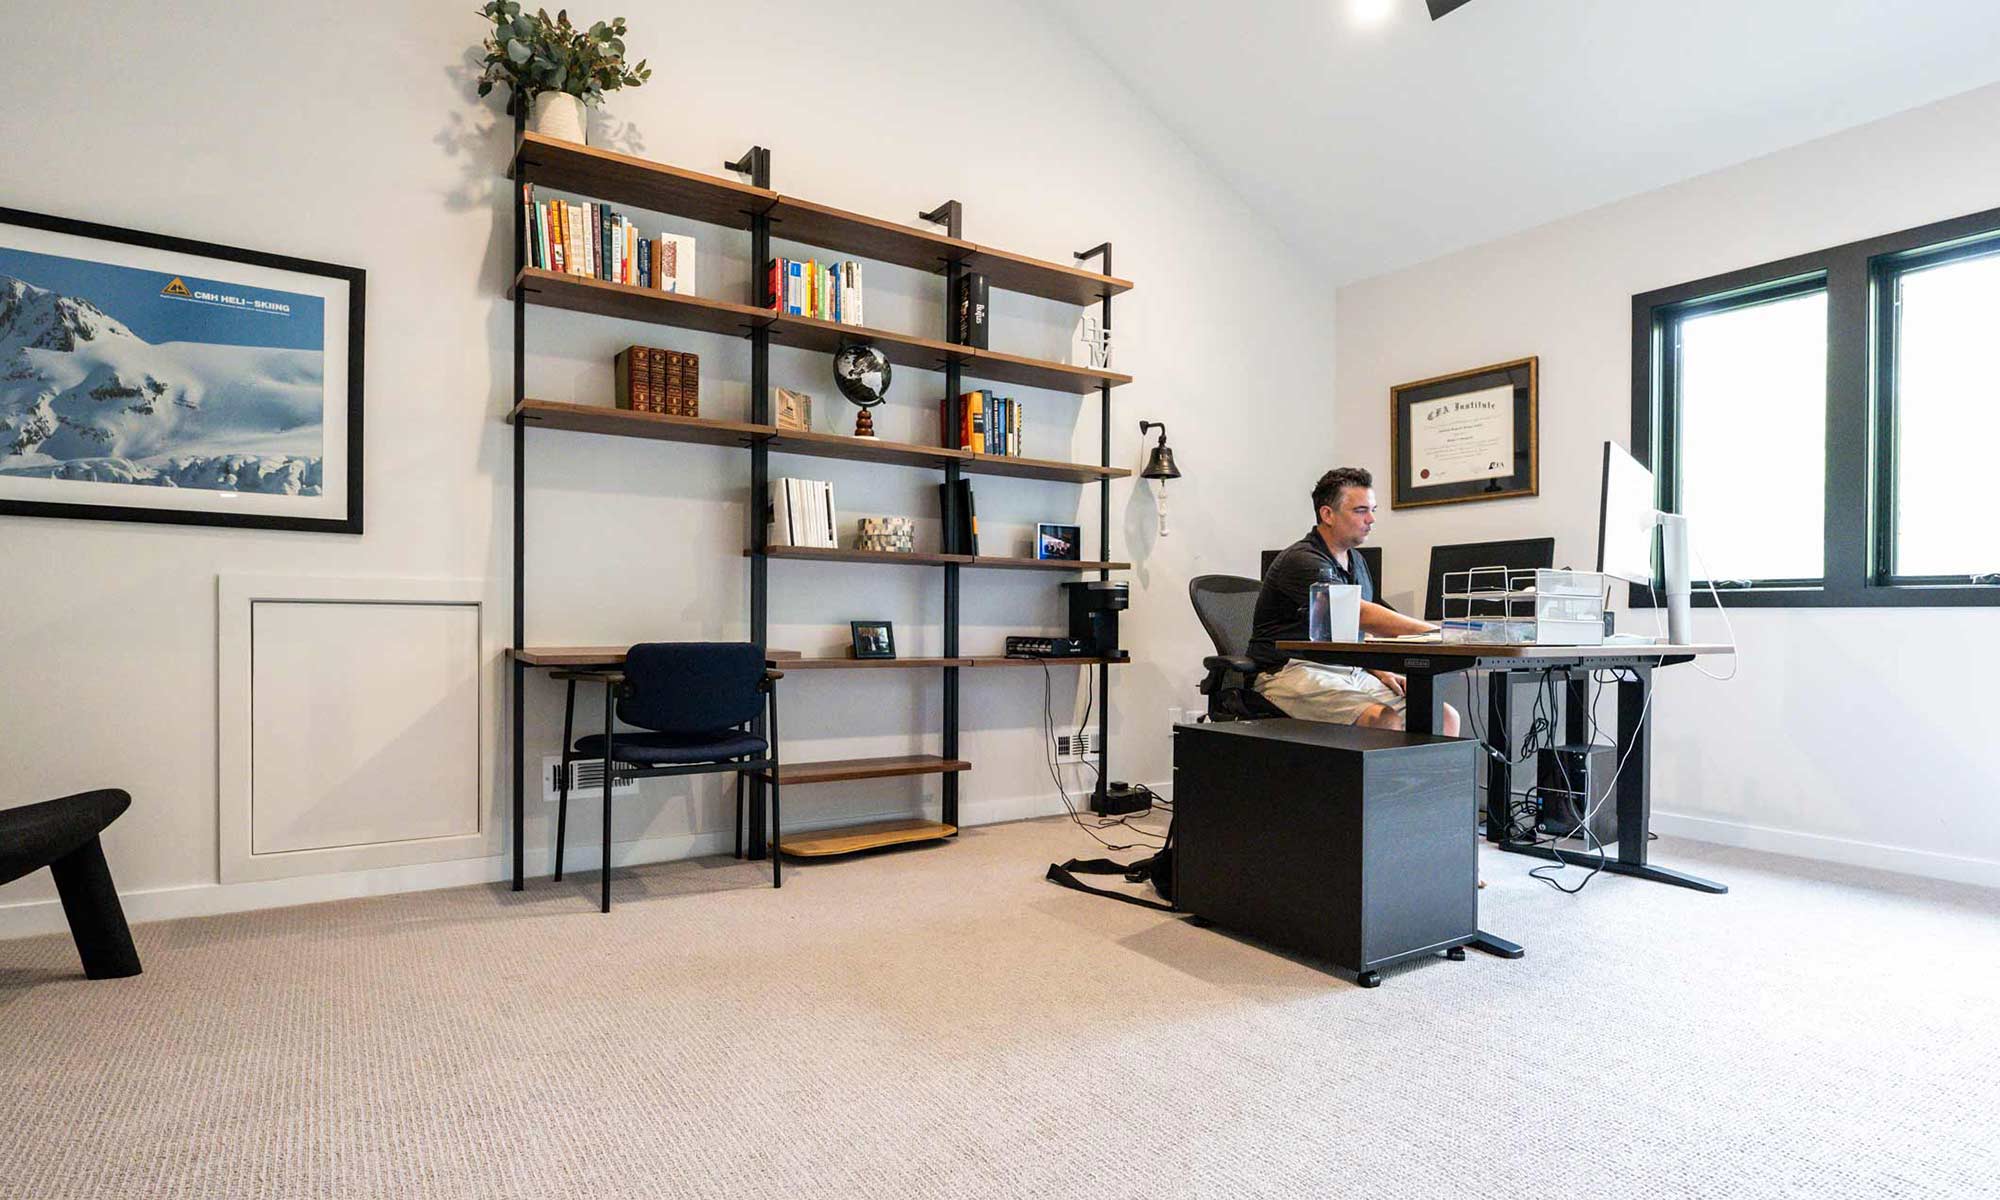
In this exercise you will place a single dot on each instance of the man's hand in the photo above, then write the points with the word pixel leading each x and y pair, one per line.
pixel 1394 682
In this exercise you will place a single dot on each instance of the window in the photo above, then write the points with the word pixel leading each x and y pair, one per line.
pixel 1940 418
pixel 1824 422
pixel 1748 401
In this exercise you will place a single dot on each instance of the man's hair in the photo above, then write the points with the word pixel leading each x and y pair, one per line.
pixel 1326 493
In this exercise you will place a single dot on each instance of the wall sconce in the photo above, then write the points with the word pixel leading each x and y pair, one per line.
pixel 1160 466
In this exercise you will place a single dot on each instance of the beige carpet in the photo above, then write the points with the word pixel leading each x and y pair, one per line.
pixel 939 1022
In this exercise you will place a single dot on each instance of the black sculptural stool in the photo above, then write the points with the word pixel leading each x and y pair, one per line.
pixel 62 836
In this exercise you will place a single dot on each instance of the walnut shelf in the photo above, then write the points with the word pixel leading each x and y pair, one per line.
pixel 630 302
pixel 624 422
pixel 658 187
pixel 820 843
pixel 834 554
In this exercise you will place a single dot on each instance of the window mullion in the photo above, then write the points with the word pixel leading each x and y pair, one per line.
pixel 1847 441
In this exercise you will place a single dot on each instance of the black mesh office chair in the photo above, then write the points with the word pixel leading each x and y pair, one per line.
pixel 1226 604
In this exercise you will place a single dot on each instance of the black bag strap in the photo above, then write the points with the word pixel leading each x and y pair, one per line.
pixel 1137 873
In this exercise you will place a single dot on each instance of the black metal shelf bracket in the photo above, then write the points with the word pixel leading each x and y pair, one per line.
pixel 950 214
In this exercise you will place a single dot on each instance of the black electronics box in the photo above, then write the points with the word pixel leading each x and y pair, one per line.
pixel 1571 780
pixel 1094 606
pixel 1046 647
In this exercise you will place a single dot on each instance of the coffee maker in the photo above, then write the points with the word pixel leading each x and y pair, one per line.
pixel 1094 606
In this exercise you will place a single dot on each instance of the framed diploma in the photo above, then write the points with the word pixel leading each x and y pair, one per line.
pixel 1469 436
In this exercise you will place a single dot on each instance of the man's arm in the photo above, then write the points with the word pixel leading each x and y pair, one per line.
pixel 1387 622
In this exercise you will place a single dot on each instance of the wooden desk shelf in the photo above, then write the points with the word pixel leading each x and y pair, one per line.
pixel 844 770
pixel 612 656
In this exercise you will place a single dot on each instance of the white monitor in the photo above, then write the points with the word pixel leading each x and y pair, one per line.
pixel 1625 518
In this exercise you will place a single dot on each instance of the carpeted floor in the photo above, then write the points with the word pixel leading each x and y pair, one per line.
pixel 940 1022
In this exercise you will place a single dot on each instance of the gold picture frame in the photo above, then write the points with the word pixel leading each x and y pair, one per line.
pixel 1496 410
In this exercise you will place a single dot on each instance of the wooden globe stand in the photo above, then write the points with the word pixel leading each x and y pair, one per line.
pixel 864 424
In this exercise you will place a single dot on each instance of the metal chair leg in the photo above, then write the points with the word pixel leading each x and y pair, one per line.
pixel 610 757
pixel 777 853
pixel 740 785
pixel 562 777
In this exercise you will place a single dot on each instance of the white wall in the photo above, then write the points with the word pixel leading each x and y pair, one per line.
pixel 351 135
pixel 1854 735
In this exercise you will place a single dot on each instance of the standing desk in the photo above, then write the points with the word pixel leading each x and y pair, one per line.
pixel 1423 662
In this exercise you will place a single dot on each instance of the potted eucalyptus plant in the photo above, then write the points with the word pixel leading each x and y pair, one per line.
pixel 553 68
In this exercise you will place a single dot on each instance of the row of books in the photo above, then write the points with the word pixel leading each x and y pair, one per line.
pixel 591 240
pixel 648 379
pixel 801 513
pixel 828 291
pixel 982 423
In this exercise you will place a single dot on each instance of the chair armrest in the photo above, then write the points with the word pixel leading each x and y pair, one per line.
pixel 1230 662
pixel 771 676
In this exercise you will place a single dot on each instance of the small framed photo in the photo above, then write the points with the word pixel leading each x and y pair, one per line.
pixel 873 639
pixel 1059 543
pixel 795 411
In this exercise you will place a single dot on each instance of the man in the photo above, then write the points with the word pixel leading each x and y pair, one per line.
pixel 1344 513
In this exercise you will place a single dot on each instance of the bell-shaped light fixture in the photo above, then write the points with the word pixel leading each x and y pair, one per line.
pixel 1160 466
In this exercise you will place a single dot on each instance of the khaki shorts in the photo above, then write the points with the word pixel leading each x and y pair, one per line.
pixel 1335 695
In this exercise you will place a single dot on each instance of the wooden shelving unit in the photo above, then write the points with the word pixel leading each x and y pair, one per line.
pixel 767 215
pixel 612 656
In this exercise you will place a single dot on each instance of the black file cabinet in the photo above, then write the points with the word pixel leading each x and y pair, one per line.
pixel 1347 844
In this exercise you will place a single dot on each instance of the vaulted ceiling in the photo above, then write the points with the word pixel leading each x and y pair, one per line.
pixel 1380 138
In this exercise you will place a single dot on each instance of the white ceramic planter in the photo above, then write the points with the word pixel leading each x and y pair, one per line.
pixel 559 115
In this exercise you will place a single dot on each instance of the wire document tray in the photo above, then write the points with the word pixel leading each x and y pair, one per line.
pixel 1540 607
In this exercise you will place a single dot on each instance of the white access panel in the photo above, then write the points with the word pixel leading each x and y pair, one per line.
pixel 352 725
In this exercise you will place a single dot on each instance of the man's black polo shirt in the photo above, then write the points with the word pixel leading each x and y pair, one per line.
pixel 1281 603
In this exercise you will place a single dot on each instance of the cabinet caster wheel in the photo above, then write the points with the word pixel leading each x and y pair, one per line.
pixel 1456 954
pixel 1369 979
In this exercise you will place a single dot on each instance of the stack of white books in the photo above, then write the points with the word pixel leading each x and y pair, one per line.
pixel 802 514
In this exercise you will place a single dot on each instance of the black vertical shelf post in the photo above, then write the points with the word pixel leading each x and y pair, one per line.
pixel 1099 802
pixel 756 162
pixel 520 673
pixel 953 272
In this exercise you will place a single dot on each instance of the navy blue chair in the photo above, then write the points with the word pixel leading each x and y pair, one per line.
pixel 694 705
pixel 62 836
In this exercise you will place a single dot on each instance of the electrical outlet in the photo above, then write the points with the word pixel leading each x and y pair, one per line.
pixel 1075 747
pixel 586 779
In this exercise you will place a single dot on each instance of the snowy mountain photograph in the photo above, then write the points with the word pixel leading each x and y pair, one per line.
pixel 128 385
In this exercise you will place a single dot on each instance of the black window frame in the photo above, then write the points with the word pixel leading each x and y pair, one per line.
pixel 1858 278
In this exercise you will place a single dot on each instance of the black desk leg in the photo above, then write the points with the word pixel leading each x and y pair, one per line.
pixel 1422 712
pixel 1635 788
pixel 1576 709
pixel 1500 765
pixel 1499 947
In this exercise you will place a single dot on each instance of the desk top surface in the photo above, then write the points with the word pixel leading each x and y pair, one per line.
pixel 1499 649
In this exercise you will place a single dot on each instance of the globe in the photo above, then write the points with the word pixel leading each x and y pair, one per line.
pixel 862 373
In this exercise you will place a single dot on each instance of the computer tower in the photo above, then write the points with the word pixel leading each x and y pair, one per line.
pixel 1571 780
